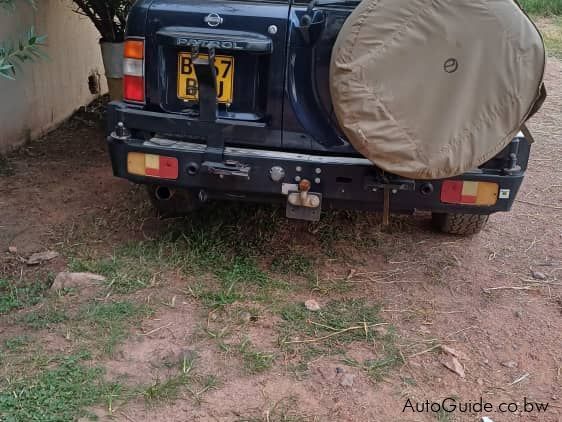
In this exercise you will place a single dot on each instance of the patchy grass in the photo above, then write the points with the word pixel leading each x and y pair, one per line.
pixel 14 297
pixel 255 362
pixel 542 7
pixel 171 388
pixel 551 29
pixel 108 323
pixel 291 263
pixel 281 411
pixel 238 280
pixel 443 416
pixel 129 269
pixel 17 343
pixel 57 394
pixel 336 317
pixel 44 317
pixel 168 390
pixel 377 369
pixel 309 335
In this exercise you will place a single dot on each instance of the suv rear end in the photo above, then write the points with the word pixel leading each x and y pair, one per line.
pixel 259 124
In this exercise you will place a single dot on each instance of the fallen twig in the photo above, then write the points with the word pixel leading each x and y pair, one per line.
pixel 491 289
pixel 423 352
pixel 521 378
pixel 157 329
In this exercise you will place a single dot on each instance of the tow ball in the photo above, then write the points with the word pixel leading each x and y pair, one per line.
pixel 304 205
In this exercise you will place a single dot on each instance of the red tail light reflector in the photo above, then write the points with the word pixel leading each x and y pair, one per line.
pixel 469 193
pixel 152 165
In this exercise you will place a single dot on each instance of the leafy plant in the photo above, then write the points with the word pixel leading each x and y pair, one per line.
pixel 13 296
pixel 61 393
pixel 108 16
pixel 14 53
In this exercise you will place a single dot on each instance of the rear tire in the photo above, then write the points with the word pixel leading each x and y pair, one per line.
pixel 460 224
pixel 180 202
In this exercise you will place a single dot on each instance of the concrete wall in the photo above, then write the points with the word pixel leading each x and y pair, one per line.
pixel 47 91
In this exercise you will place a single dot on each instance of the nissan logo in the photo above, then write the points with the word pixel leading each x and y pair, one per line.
pixel 213 20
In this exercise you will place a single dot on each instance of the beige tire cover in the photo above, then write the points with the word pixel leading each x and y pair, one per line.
pixel 429 89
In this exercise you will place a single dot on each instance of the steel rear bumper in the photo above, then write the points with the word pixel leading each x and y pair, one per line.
pixel 343 182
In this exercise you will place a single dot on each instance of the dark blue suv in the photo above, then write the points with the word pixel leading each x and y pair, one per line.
pixel 230 99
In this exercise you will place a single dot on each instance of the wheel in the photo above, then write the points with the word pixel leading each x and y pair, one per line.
pixel 172 202
pixel 460 224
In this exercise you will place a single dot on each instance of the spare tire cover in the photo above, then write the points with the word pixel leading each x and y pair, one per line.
pixel 429 89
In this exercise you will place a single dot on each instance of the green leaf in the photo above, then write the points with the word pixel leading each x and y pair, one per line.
pixel 26 49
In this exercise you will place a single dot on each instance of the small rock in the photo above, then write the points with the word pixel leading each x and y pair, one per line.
pixel 452 352
pixel 66 280
pixel 312 305
pixel 455 366
pixel 347 380
pixel 339 370
pixel 480 381
pixel 13 249
pixel 38 258
pixel 510 364
pixel 519 314
pixel 538 275
pixel 245 317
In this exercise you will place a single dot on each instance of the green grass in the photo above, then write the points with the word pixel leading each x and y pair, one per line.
pixel 282 411
pixel 443 416
pixel 293 264
pixel 542 7
pixel 108 323
pixel 216 241
pixel 57 394
pixel 551 29
pixel 335 316
pixel 255 361
pixel 17 343
pixel 328 332
pixel 377 369
pixel 166 390
pixel 171 388
pixel 13 296
pixel 44 317
pixel 126 271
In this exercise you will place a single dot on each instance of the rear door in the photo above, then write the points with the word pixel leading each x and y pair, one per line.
pixel 309 120
pixel 250 42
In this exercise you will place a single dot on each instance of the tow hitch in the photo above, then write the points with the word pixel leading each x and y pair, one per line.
pixel 304 205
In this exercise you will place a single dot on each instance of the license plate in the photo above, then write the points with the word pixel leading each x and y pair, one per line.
pixel 187 78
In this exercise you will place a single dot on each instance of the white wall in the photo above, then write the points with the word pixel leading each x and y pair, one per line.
pixel 47 91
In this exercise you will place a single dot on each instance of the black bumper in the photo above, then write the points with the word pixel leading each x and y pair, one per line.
pixel 344 182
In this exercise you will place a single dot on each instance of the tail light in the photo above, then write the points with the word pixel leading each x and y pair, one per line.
pixel 151 165
pixel 133 71
pixel 469 193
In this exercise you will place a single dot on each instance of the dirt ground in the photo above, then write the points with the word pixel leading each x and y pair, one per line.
pixel 475 295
